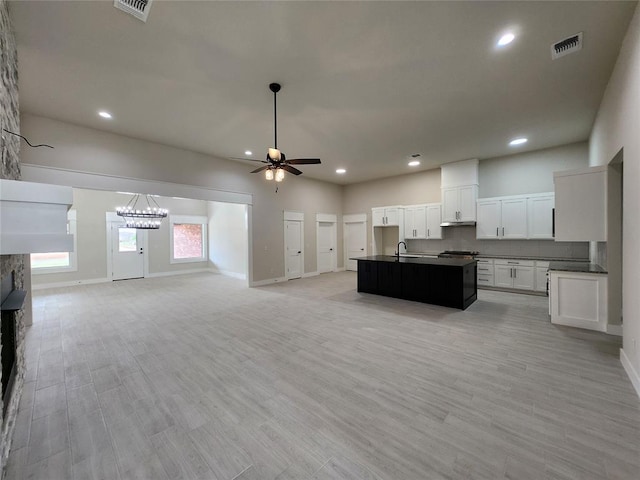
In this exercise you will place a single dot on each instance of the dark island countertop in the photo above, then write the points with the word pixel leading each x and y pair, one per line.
pixel 579 267
pixel 451 262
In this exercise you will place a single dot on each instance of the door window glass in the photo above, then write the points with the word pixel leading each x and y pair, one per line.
pixel 127 240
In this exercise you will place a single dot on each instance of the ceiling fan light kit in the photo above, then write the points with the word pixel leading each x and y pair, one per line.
pixel 276 160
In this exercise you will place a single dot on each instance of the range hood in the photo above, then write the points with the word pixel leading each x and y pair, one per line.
pixel 458 224
pixel 33 217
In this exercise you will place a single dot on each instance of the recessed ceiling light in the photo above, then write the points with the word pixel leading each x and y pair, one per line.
pixel 341 170
pixel 506 39
pixel 248 152
pixel 517 141
pixel 414 163
pixel 104 114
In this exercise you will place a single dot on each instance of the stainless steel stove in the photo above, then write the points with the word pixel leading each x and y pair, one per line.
pixel 464 254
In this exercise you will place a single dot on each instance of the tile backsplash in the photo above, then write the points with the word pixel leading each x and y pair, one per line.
pixel 464 238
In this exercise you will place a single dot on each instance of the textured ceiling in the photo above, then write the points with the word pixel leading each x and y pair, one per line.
pixel 365 84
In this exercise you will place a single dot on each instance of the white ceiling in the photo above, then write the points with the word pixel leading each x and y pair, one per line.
pixel 365 84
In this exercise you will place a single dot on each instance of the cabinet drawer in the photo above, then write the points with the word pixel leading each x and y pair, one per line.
pixel 485 269
pixel 485 279
pixel 485 261
pixel 515 263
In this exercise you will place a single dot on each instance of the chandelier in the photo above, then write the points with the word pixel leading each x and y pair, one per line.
pixel 145 218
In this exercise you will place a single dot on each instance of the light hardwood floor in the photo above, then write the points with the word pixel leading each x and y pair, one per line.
pixel 198 377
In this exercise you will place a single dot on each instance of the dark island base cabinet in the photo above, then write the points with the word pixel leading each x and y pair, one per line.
pixel 449 286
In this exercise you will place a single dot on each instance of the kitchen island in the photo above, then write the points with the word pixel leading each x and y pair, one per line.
pixel 449 282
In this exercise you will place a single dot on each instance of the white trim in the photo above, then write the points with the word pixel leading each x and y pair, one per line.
pixel 114 183
pixel 72 283
pixel 229 273
pixel 201 220
pixel 631 372
pixel 354 218
pixel 293 216
pixel 341 269
pixel 310 274
pixel 326 217
pixel 268 281
pixel 614 330
pixel 178 272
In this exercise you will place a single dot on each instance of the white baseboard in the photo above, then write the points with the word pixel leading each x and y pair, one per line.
pixel 631 372
pixel 614 330
pixel 228 273
pixel 268 281
pixel 179 272
pixel 310 274
pixel 341 269
pixel 73 283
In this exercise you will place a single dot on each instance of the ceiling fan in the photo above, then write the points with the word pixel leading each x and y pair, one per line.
pixel 276 161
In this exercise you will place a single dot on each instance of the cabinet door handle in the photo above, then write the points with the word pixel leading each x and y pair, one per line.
pixel 511 273
pixel 514 263
pixel 496 231
pixel 428 233
pixel 515 273
pixel 503 231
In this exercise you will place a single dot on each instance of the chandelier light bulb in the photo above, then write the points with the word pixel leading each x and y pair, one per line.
pixel 268 174
pixel 279 175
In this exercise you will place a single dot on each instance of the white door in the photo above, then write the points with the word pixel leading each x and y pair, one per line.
pixel 355 240
pixel 392 216
pixel 420 222
pixel 467 203
pixel 503 276
pixel 523 277
pixel 293 249
pixel 378 217
pixel 326 247
pixel 127 252
pixel 409 226
pixel 540 216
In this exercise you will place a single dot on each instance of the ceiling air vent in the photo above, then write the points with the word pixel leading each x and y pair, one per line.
pixel 137 8
pixel 565 47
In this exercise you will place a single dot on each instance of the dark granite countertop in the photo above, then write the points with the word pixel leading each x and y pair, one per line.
pixel 453 262
pixel 525 257
pixel 579 267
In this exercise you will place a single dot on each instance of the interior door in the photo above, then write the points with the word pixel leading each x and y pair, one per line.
pixel 127 252
pixel 293 249
pixel 326 247
pixel 355 239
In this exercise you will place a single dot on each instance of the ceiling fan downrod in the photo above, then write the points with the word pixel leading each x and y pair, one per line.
pixel 275 88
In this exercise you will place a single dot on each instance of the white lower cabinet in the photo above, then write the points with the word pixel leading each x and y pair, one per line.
pixel 485 273
pixel 518 274
pixel 578 299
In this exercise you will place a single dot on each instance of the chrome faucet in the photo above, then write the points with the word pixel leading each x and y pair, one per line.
pixel 405 248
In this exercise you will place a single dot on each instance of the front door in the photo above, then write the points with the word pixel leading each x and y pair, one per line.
pixel 355 239
pixel 293 239
pixel 326 247
pixel 127 252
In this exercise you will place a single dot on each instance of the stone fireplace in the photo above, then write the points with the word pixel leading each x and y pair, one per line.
pixel 12 301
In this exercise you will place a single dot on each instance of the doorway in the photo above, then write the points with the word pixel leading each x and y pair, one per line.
pixel 126 250
pixel 355 239
pixel 326 242
pixel 293 244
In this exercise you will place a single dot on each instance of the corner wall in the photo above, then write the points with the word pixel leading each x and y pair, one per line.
pixel 10 169
pixel 616 128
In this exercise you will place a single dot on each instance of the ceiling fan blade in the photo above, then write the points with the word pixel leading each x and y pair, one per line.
pixel 260 169
pixel 290 169
pixel 303 161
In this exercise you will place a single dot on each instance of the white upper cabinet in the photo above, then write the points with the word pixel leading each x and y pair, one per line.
pixel 415 222
pixel 580 203
pixel 459 203
pixel 540 216
pixel 385 216
pixel 514 218
pixel 459 191
pixel 511 217
pixel 488 224
pixel 434 219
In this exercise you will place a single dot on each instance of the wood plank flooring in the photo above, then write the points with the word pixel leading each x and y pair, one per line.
pixel 198 377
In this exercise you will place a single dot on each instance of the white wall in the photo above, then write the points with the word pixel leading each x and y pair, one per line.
pixel 530 172
pixel 615 128
pixel 95 151
pixel 228 238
